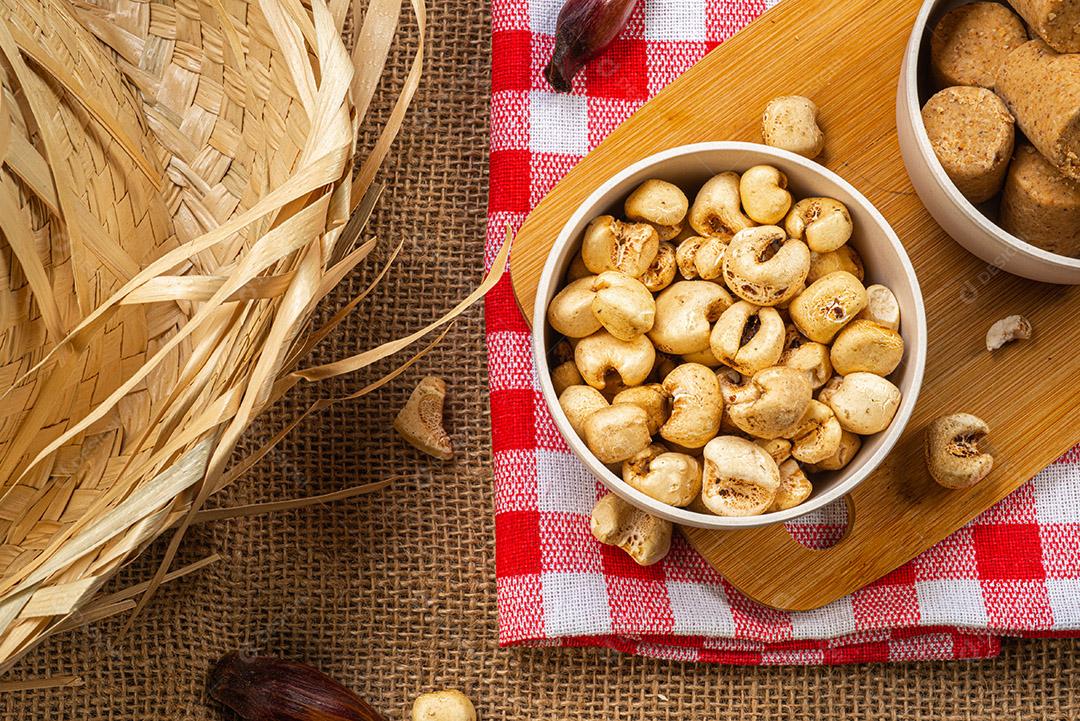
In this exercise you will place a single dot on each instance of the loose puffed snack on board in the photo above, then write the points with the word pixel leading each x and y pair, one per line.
pixel 953 456
pixel 790 122
pixel 1042 90
pixel 972 134
pixel 1007 330
pixel 1055 21
pixel 969 43
pixel 1040 205
pixel 420 421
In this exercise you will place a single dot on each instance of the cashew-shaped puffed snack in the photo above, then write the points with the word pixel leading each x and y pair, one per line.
pixel 824 223
pixel 731 382
pixel 696 406
pixel 580 402
pixel 716 210
pixel 565 375
pixel 1006 330
pixel 740 478
pixel 748 337
pixel 795 487
pixel 881 307
pixel 817 435
pixel 617 432
pixel 671 478
pixel 705 357
pixel 850 443
pixel 660 204
pixel 779 449
pixel 623 305
pixel 685 312
pixel 602 353
pixel 570 311
pixel 664 364
pixel 645 538
pixel 762 265
pixel 771 402
pixel 611 244
pixel 843 258
pixel 577 269
pixel 864 403
pixel 866 346
pixel 449 705
pixel 698 257
pixel 420 421
pixel 764 194
pixel 651 398
pixel 952 450
pixel 662 271
pixel 827 305
pixel 790 123
pixel 811 357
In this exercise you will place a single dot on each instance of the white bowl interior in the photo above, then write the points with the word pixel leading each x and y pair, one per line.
pixel 973 226
pixel 886 263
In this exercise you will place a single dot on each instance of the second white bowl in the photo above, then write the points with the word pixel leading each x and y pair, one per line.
pixel 689 166
pixel 970 226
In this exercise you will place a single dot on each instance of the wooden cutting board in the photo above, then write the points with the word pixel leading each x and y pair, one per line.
pixel 846 56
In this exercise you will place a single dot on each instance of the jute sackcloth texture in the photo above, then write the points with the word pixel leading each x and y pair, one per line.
pixel 394 594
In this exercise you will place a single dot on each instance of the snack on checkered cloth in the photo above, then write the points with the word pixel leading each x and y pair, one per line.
pixel 1014 570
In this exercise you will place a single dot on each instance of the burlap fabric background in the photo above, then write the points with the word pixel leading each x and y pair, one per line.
pixel 394 594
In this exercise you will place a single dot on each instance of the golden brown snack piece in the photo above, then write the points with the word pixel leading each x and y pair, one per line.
pixel 1055 21
pixel 1040 205
pixel 971 41
pixel 420 422
pixel 972 134
pixel 1042 90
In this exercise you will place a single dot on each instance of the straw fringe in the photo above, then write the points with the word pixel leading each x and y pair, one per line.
pixel 163 251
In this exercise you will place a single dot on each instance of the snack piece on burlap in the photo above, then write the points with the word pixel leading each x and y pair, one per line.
pixel 970 42
pixel 972 134
pixel 1041 205
pixel 1055 21
pixel 1042 89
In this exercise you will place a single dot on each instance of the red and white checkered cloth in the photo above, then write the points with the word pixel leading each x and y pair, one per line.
pixel 1014 570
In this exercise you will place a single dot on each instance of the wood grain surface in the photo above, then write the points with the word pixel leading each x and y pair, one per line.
pixel 847 56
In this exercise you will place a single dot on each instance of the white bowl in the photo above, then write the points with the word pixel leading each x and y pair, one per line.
pixel 971 226
pixel 886 262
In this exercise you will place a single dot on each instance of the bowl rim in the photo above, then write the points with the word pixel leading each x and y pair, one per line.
pixel 910 90
pixel 684 516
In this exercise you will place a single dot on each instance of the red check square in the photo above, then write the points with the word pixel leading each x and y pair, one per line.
pixel 1010 551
